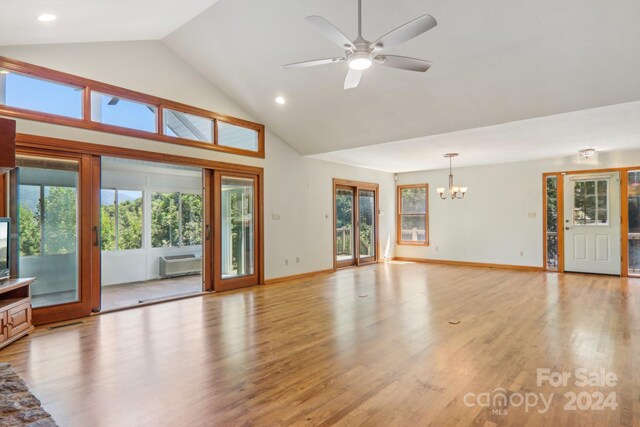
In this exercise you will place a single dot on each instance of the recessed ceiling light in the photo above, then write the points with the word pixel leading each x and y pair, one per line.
pixel 46 17
pixel 280 100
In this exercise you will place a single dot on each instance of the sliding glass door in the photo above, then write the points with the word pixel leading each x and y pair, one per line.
pixel 356 222
pixel 49 192
pixel 345 226
pixel 107 232
pixel 367 226
pixel 236 225
pixel 151 226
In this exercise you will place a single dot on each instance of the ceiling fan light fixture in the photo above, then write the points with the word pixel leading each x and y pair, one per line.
pixel 360 61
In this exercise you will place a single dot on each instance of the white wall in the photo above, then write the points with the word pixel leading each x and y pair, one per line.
pixel 297 188
pixel 492 224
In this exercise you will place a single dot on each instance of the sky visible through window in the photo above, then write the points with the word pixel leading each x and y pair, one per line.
pixel 41 95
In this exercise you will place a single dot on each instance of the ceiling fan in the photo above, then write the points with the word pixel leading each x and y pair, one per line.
pixel 360 54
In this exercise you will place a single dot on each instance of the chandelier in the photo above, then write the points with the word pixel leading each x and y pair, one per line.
pixel 454 192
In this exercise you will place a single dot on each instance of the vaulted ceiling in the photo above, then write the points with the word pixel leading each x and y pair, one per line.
pixel 495 63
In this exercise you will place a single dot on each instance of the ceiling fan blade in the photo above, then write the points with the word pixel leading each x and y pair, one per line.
pixel 331 32
pixel 406 32
pixel 404 63
pixel 313 63
pixel 353 79
pixel 113 101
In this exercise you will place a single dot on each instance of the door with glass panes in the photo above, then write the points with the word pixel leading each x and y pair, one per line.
pixel 355 223
pixel 592 223
pixel 51 197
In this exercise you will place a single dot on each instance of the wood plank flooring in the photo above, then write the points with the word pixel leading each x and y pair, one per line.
pixel 367 346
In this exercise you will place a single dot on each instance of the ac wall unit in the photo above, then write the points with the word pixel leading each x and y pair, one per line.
pixel 180 265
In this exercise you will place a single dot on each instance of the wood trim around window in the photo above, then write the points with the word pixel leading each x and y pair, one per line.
pixel 560 219
pixel 85 264
pixel 257 277
pixel 399 214
pixel 89 155
pixel 356 186
pixel 88 86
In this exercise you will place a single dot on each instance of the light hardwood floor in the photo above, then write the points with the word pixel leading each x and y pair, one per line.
pixel 366 346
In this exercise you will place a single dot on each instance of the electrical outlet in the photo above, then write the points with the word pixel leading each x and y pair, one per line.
pixel 286 261
pixel 437 249
pixel 297 260
pixel 521 253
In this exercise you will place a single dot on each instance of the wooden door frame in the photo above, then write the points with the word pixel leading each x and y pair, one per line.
pixel 86 264
pixel 354 214
pixel 90 194
pixel 3 194
pixel 257 278
pixel 624 214
pixel 208 240
pixel 357 185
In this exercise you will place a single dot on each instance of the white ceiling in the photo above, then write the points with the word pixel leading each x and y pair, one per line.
pixel 494 61
pixel 607 128
pixel 94 20
pixel 497 64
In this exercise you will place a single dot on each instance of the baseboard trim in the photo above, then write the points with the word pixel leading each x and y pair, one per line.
pixel 297 276
pixel 469 264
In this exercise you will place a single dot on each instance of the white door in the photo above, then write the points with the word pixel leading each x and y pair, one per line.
pixel 592 223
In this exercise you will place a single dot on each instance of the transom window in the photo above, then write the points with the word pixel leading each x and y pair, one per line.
pixel 590 201
pixel 117 111
pixel 26 92
pixel 36 93
pixel 412 221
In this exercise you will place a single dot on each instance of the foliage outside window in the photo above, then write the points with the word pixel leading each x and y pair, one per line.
pixel 590 202
pixel 121 219
pixel 344 223
pixel 47 220
pixel 551 242
pixel 237 227
pixel 412 219
pixel 176 219
pixel 366 209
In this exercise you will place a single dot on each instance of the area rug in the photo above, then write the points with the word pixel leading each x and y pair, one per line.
pixel 18 407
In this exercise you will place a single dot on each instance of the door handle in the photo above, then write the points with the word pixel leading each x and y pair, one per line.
pixel 207 234
pixel 96 241
pixel 566 228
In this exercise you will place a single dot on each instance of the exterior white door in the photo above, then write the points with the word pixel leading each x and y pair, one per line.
pixel 592 223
